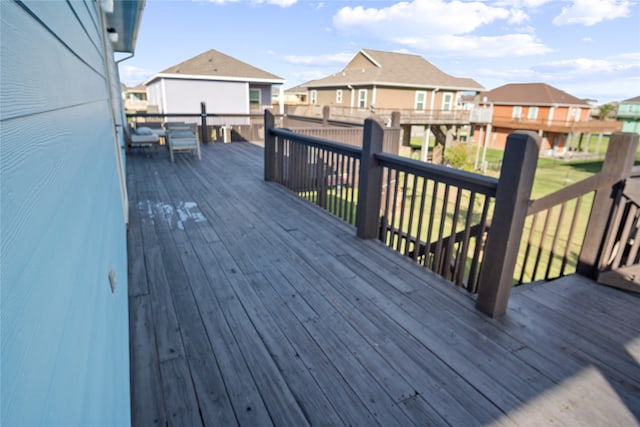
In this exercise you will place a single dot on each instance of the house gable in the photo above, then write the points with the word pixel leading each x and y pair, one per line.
pixel 214 65
pixel 531 94
pixel 373 67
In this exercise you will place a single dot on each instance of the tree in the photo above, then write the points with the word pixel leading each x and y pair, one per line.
pixel 605 111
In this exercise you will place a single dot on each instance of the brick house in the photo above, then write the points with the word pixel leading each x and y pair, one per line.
pixel 561 119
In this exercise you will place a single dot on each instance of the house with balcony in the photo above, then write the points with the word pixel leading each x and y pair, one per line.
pixel 377 80
pixel 225 84
pixel 629 114
pixel 135 98
pixel 562 120
pixel 65 208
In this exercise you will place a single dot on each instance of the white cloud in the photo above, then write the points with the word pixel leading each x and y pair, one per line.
pixel 339 58
pixel 619 64
pixel 421 17
pixel 442 26
pixel 480 46
pixel 517 16
pixel 281 3
pixel 529 4
pixel 591 12
pixel 133 76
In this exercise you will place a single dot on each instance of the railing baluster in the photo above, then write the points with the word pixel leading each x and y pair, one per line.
pixel 461 263
pixel 402 240
pixel 432 213
pixel 574 221
pixel 543 236
pixel 525 260
pixel 437 259
pixel 448 255
pixel 552 251
pixel 411 209
pixel 423 200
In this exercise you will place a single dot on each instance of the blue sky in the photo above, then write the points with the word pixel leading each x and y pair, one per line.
pixel 589 48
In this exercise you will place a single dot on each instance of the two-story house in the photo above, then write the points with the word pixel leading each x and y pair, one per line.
pixel 375 80
pixel 559 118
pixel 225 84
pixel 629 114
pixel 135 98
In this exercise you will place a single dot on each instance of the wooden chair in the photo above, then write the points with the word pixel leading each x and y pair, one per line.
pixel 183 137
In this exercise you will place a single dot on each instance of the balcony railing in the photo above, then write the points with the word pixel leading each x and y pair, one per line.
pixel 466 227
pixel 561 126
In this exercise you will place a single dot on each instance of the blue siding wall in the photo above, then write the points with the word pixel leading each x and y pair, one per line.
pixel 65 351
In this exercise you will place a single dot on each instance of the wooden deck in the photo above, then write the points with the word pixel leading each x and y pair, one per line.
pixel 249 306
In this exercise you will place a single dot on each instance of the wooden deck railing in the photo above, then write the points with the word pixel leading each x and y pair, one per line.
pixel 321 171
pixel 212 127
pixel 444 223
pixel 576 225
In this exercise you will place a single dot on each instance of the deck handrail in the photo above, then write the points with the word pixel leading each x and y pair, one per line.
pixel 466 227
pixel 558 240
pixel 316 142
pixel 459 178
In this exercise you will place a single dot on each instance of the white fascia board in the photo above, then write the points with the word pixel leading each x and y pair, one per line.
pixel 217 78
pixel 399 85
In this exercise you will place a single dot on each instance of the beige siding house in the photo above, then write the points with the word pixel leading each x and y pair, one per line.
pixel 376 79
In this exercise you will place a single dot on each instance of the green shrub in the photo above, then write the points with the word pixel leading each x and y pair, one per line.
pixel 460 156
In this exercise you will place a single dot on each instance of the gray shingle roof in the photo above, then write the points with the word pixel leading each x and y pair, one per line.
pixel 216 64
pixel 632 100
pixel 394 69
pixel 531 94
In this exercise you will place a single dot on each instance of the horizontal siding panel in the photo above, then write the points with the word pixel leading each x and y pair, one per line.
pixel 26 88
pixel 86 12
pixel 59 17
pixel 62 226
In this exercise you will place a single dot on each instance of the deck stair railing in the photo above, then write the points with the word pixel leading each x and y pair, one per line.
pixel 584 223
pixel 471 229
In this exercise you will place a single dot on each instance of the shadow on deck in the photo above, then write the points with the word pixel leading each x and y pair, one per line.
pixel 249 306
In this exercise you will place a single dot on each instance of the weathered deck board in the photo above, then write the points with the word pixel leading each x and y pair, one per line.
pixel 251 307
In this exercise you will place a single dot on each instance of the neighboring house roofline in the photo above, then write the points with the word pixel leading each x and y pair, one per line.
pixel 536 104
pixel 370 58
pixel 391 84
pixel 212 78
pixel 634 100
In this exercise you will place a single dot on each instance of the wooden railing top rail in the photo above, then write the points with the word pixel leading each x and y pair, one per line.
pixel 318 142
pixel 162 115
pixel 565 194
pixel 459 178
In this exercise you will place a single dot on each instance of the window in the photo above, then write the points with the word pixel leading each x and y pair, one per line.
pixel 362 98
pixel 447 101
pixel 517 112
pixel 339 96
pixel 314 96
pixel 254 96
pixel 421 100
pixel 533 113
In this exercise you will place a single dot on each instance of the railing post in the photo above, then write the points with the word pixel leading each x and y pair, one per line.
pixel 269 147
pixel 203 115
pixel 510 211
pixel 326 113
pixel 370 182
pixel 621 154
